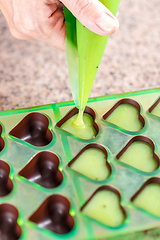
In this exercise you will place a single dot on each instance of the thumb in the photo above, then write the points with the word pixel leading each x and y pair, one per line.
pixel 93 15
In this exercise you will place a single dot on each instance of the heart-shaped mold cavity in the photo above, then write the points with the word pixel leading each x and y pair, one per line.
pixel 105 207
pixel 90 129
pixel 1 139
pixel 33 129
pixel 91 161
pixel 140 154
pixel 9 228
pixel 6 184
pixel 155 108
pixel 54 215
pixel 148 197
pixel 43 170
pixel 126 115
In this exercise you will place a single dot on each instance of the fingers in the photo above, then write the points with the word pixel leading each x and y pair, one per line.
pixel 54 30
pixel 8 11
pixel 36 19
pixel 44 19
pixel 53 25
pixel 93 15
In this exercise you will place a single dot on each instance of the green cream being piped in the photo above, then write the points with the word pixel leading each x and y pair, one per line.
pixel 84 129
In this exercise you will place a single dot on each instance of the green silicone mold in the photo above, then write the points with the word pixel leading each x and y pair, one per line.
pixel 55 185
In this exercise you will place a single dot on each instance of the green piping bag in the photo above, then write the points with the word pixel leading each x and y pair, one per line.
pixel 84 51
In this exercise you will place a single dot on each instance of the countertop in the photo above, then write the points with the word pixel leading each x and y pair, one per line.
pixel 32 73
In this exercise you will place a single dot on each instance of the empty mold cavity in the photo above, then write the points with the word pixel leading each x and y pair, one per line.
pixel 88 131
pixel 155 108
pixel 147 198
pixel 91 161
pixel 1 139
pixel 140 154
pixel 6 184
pixel 54 215
pixel 126 115
pixel 43 170
pixel 33 129
pixel 9 228
pixel 105 207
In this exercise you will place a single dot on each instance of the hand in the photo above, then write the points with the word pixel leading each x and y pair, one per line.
pixel 44 19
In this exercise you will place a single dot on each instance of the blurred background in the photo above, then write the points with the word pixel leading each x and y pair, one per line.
pixel 32 73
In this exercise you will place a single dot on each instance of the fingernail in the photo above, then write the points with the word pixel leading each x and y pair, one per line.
pixel 106 22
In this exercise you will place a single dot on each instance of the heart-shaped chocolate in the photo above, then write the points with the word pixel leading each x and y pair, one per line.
pixel 140 154
pixel 33 129
pixel 54 215
pixel 105 207
pixel 92 162
pixel 43 170
pixel 1 139
pixel 155 108
pixel 88 131
pixel 147 197
pixel 9 228
pixel 6 184
pixel 125 114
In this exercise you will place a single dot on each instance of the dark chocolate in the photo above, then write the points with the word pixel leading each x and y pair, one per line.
pixel 33 129
pixel 6 184
pixel 9 228
pixel 43 170
pixel 2 144
pixel 54 215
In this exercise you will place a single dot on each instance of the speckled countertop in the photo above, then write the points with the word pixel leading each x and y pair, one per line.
pixel 31 73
